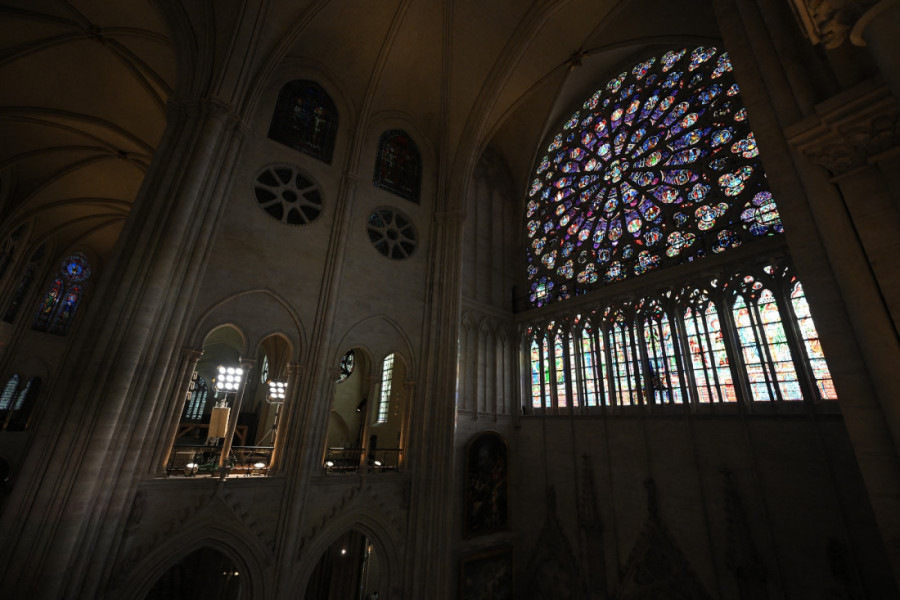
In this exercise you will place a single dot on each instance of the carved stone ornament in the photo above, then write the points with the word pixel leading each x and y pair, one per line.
pixel 847 135
pixel 656 567
pixel 829 22
pixel 553 569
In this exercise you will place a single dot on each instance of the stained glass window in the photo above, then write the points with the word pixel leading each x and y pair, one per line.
pixel 545 353
pixel 61 300
pixel 559 369
pixel 48 306
pixel 346 366
pixel 706 348
pixel 398 165
pixel 9 393
pixel 536 361
pixel 384 399
pixel 814 355
pixel 659 166
pixel 593 366
pixel 196 404
pixel 625 362
pixel 675 347
pixel 305 119
pixel 663 380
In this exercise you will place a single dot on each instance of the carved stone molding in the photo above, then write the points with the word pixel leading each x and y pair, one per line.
pixel 849 131
pixel 353 501
pixel 829 22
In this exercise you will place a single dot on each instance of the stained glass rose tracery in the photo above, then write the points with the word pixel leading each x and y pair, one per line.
pixel 658 167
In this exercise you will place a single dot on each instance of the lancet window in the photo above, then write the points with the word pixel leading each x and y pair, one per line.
pixel 672 347
pixel 62 297
pixel 384 398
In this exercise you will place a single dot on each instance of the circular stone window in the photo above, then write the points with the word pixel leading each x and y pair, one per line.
pixel 391 232
pixel 287 195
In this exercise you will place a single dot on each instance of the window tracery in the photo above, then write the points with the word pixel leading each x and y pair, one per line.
pixel 702 343
pixel 657 167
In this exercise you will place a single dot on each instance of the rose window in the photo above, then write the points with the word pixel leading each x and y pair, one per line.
pixel 658 167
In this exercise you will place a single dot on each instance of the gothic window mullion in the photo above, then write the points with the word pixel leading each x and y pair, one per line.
pixel 693 388
pixel 767 363
pixel 601 362
pixel 678 388
pixel 733 350
pixel 802 367
pixel 633 363
pixel 652 344
pixel 710 353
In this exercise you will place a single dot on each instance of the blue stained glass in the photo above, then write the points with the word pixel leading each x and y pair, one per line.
pixel 614 85
pixel 648 158
pixel 641 69
pixel 670 58
pixel 723 136
pixel 699 56
pixel 723 65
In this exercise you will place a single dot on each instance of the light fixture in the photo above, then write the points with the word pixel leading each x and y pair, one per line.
pixel 277 391
pixel 228 379
pixel 377 463
pixel 343 552
pixel 191 465
pixel 259 465
pixel 329 463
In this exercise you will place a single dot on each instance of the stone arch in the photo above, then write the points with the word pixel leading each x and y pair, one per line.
pixel 373 524
pixel 380 335
pixel 227 538
pixel 246 311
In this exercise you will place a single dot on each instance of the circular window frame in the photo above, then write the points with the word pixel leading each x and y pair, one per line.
pixel 300 205
pixel 393 240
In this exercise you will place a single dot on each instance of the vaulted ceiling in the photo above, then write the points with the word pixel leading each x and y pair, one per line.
pixel 85 82
pixel 82 109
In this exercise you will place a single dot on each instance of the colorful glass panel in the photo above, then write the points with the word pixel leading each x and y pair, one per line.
pixel 305 119
pixel 709 360
pixel 536 396
pixel 626 371
pixel 48 305
pixel 398 165
pixel 663 378
pixel 777 345
pixel 593 366
pixel 638 154
pixel 814 354
pixel 559 370
pixel 573 370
